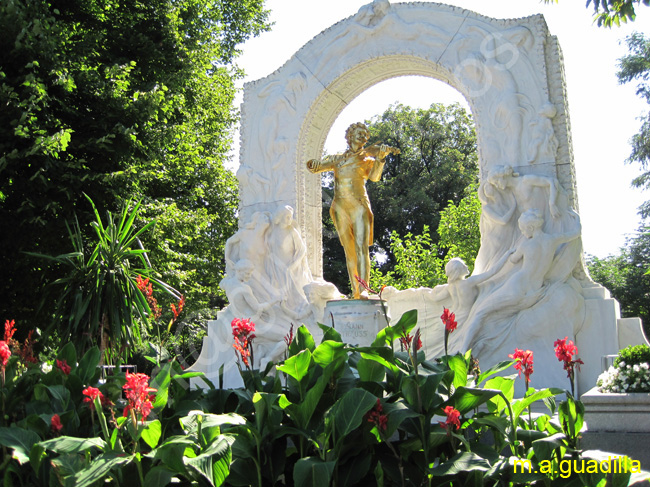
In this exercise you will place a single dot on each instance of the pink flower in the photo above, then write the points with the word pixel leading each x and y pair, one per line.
pixel 453 419
pixel 56 423
pixel 449 319
pixel 377 417
pixel 524 363
pixel 63 366
pixel 5 353
pixel 137 394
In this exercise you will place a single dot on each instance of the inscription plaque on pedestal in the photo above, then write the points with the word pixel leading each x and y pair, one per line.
pixel 357 320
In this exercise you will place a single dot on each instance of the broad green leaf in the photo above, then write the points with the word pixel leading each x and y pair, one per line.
pixel 57 395
pixel 158 477
pixel 397 412
pixel 387 335
pixel 297 366
pixel 172 451
pixel 348 412
pixel 458 364
pixel 544 448
pixel 465 399
pixel 461 463
pixel 161 384
pixel 313 472
pixel 151 433
pixel 98 469
pixel 20 441
pixel 370 370
pixel 329 351
pixel 382 355
pixel 69 354
pixel 330 333
pixel 218 452
pixel 302 412
pixel 302 341
pixel 495 369
pixel 426 395
pixel 87 368
pixel 496 422
pixel 505 385
pixel 69 464
pixel 354 469
pixel 70 444
pixel 571 414
pixel 520 405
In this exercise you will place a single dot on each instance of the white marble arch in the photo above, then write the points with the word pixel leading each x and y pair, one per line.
pixel 508 70
pixel 511 73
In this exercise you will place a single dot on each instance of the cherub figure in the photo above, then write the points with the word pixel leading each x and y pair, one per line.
pixel 461 291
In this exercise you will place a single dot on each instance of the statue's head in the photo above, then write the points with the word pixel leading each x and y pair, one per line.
pixel 259 219
pixel 352 129
pixel 456 269
pixel 498 175
pixel 284 214
pixel 530 220
pixel 244 269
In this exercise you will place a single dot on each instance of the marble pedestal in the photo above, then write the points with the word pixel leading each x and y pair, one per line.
pixel 357 320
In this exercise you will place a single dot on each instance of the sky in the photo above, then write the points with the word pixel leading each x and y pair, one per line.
pixel 603 113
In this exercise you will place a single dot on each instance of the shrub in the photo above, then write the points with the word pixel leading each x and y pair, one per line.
pixel 630 372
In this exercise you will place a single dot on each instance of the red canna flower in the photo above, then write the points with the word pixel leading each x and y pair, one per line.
pixel 91 393
pixel 242 327
pixel 5 353
pixel 137 394
pixel 377 417
pixel 243 331
pixel 449 319
pixel 179 310
pixel 453 419
pixel 288 338
pixel 418 340
pixel 63 366
pixel 56 423
pixel 524 363
pixel 146 288
pixel 26 352
pixel 405 341
pixel 564 351
pixel 10 329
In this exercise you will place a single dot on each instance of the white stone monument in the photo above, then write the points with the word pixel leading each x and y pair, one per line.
pixel 529 287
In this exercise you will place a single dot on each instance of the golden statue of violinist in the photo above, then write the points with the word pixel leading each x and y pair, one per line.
pixel 350 208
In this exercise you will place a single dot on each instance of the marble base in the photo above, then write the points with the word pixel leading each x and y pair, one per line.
pixel 357 320
pixel 612 412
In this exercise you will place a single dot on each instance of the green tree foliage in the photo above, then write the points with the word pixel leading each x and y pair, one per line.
pixel 421 262
pixel 119 100
pixel 625 277
pixel 438 161
pixel 635 66
pixel 613 12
